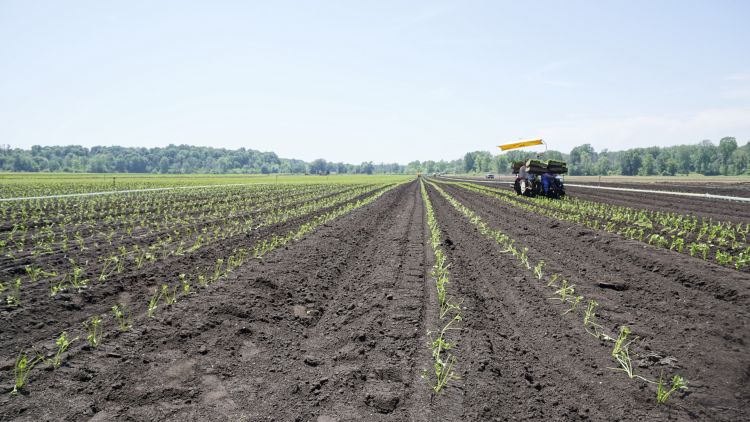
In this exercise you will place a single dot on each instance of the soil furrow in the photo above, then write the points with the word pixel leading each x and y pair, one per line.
pixel 670 300
pixel 522 359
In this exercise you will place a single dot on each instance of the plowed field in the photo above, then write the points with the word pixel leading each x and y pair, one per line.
pixel 334 324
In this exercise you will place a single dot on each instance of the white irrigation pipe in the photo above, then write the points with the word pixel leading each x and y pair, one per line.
pixel 664 192
pixel 72 195
pixel 694 195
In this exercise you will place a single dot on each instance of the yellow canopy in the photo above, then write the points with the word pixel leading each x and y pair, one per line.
pixel 521 144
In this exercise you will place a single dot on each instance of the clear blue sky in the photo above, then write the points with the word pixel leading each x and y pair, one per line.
pixel 377 80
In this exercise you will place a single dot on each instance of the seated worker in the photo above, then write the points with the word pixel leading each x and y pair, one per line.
pixel 547 180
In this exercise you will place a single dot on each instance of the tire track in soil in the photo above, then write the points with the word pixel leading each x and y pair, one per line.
pixel 302 335
pixel 679 306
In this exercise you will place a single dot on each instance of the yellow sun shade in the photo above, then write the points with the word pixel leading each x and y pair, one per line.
pixel 521 144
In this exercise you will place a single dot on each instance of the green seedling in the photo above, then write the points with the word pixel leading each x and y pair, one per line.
pixel 589 319
pixel 61 285
pixel 724 258
pixel 123 317
pixel 573 304
pixel 95 329
pixel 553 280
pixel 170 295
pixel 662 394
pixel 620 342
pixel 677 244
pixel 153 303
pixel 33 272
pixel 508 244
pixel 111 264
pixel 564 291
pixel 185 284
pixel 62 342
pixel 80 241
pixel 77 280
pixel 701 248
pixel 23 368
pixel 524 258
pixel 443 366
pixel 218 270
pixel 743 259
pixel 626 365
pixel 538 270
pixel 444 372
pixel 14 296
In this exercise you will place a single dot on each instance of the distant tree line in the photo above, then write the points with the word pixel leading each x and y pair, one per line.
pixel 174 159
pixel 706 158
pixel 726 158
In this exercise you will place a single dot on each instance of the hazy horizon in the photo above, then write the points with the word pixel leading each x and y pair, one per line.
pixel 380 81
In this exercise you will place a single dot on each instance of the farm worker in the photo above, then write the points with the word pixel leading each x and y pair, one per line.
pixel 547 181
pixel 523 175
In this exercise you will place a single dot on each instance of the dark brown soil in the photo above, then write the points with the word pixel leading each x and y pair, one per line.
pixel 34 322
pixel 680 307
pixel 333 328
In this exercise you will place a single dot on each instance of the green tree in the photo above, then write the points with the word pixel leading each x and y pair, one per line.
pixel 582 159
pixel 318 166
pixel 367 167
pixel 630 162
pixel 164 165
pixel 468 162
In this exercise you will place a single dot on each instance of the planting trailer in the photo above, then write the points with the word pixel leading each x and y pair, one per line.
pixel 536 177
pixel 543 178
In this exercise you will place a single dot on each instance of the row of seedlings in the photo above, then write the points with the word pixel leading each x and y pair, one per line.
pixel 449 312
pixel 168 294
pixel 724 242
pixel 565 293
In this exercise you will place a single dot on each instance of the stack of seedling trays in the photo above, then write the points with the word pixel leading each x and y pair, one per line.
pixel 535 166
pixel 557 167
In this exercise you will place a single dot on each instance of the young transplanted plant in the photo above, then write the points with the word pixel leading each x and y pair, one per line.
pixel 524 258
pixel 170 295
pixel 443 365
pixel 185 284
pixel 564 291
pixel 14 297
pixel 94 328
pixel 538 270
pixel 662 394
pixel 123 317
pixel 589 319
pixel 62 342
pixel 153 303
pixel 23 367
pixel 621 353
